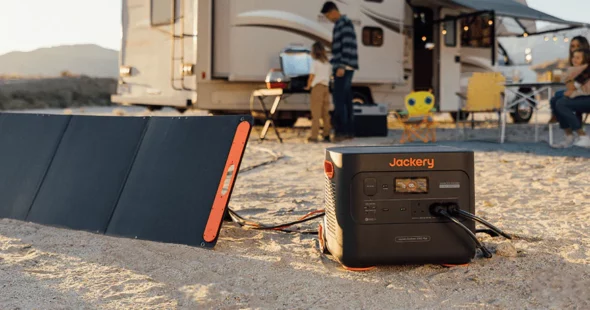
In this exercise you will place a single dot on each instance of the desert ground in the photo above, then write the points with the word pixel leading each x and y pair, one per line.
pixel 539 195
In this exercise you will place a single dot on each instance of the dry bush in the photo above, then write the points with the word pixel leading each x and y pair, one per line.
pixel 60 93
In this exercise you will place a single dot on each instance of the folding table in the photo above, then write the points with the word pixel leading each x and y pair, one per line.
pixel 262 94
pixel 526 98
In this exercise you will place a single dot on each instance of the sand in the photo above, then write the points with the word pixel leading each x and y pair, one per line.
pixel 537 194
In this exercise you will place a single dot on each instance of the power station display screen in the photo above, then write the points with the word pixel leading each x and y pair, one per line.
pixel 411 185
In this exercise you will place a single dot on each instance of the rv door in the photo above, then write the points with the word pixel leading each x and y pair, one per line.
pixel 450 62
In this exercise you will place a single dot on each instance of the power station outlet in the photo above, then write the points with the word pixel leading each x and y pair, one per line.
pixel 421 210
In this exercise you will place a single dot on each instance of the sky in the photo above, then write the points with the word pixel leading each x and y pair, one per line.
pixel 30 24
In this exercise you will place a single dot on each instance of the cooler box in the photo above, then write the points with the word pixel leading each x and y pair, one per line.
pixel 370 120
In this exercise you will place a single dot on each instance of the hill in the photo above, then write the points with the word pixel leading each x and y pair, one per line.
pixel 83 59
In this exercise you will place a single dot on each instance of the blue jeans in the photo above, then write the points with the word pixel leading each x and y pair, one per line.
pixel 566 108
pixel 342 97
pixel 553 101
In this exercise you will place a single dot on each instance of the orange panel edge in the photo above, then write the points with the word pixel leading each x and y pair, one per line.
pixel 221 199
pixel 329 169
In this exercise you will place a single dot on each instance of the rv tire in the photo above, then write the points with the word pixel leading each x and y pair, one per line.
pixel 361 95
pixel 463 116
pixel 523 112
pixel 153 108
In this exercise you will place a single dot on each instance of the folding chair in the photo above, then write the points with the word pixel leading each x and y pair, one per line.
pixel 418 119
pixel 485 92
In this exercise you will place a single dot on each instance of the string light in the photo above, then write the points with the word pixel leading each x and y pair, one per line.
pixel 525 34
pixel 424 39
pixel 490 22
pixel 566 40
pixel 555 38
pixel 444 32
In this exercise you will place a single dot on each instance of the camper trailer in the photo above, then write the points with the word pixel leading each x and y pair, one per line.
pixel 212 54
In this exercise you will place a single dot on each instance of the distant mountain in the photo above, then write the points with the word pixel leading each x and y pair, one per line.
pixel 84 59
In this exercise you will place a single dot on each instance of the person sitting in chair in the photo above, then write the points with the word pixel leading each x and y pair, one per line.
pixel 578 42
pixel 576 100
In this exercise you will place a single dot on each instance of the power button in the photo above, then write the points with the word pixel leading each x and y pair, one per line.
pixel 370 186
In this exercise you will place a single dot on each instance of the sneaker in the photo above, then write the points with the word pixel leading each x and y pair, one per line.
pixel 312 140
pixel 569 140
pixel 327 139
pixel 583 141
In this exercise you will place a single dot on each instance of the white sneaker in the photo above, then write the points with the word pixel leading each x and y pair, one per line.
pixel 569 140
pixel 583 141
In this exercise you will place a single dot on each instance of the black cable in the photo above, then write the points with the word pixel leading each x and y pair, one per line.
pixel 441 211
pixel 455 210
pixel 487 231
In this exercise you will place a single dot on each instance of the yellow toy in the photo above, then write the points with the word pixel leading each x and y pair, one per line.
pixel 419 103
pixel 419 122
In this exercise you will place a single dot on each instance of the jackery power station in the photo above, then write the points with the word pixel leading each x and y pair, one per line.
pixel 394 205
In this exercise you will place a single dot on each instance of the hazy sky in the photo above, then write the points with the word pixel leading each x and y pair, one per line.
pixel 29 24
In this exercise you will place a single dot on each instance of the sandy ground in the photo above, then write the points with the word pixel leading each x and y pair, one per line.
pixel 538 194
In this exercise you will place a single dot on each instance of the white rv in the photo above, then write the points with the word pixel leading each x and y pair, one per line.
pixel 211 54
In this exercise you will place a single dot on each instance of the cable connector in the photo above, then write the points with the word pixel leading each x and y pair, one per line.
pixel 436 209
pixel 442 210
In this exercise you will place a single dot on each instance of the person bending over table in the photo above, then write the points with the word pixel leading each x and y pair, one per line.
pixel 578 42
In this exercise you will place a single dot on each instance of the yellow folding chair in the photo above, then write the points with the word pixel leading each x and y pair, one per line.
pixel 484 94
pixel 418 119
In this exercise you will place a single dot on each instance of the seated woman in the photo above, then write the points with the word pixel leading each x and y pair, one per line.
pixel 576 99
pixel 578 42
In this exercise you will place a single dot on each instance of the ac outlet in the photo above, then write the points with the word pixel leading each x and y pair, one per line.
pixel 421 210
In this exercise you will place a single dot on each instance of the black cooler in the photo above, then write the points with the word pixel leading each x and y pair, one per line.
pixel 370 120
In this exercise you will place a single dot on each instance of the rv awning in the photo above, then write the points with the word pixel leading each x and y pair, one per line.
pixel 522 15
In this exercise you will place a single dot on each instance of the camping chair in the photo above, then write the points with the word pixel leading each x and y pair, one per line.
pixel 485 92
pixel 418 119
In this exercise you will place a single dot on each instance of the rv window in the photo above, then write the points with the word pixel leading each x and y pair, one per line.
pixel 372 36
pixel 161 12
pixel 450 33
pixel 476 31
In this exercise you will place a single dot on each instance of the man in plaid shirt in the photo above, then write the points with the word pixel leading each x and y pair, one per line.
pixel 344 62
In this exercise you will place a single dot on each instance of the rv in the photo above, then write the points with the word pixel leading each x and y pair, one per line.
pixel 212 54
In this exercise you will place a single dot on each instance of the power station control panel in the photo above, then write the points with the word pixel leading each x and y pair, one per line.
pixel 406 197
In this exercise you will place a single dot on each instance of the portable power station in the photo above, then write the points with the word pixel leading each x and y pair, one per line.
pixel 379 205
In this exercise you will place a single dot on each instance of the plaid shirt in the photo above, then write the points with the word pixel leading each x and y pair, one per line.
pixel 344 45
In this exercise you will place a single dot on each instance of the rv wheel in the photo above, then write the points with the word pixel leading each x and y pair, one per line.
pixel 523 114
pixel 462 116
pixel 359 99
pixel 153 108
pixel 524 111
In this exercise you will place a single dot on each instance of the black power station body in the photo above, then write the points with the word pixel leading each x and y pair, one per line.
pixel 378 200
